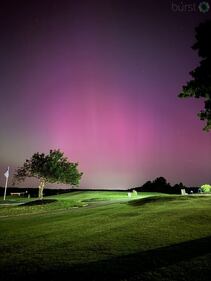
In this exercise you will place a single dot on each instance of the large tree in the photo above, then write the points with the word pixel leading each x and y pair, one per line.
pixel 52 167
pixel 200 85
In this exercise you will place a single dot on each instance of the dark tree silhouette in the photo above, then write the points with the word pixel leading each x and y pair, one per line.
pixel 160 184
pixel 53 167
pixel 200 85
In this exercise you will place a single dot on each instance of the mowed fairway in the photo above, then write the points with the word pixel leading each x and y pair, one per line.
pixel 106 236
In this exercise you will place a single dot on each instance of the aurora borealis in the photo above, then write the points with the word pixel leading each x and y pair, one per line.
pixel 99 80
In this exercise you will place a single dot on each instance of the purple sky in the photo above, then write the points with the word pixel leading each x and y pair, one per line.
pixel 100 82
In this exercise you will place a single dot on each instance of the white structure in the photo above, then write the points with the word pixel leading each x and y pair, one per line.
pixel 135 192
pixel 183 192
pixel 6 174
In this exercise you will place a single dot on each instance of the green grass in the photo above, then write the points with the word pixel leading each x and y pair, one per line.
pixel 106 236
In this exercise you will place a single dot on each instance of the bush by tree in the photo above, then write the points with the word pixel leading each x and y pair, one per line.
pixel 206 188
pixel 52 167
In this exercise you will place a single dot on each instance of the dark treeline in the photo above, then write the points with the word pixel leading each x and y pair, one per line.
pixel 33 192
pixel 160 184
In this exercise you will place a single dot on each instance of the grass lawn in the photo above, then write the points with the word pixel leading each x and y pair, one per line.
pixel 92 235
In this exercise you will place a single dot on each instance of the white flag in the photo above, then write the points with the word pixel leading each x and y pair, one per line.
pixel 6 174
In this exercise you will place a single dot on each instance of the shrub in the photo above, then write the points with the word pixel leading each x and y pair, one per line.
pixel 206 188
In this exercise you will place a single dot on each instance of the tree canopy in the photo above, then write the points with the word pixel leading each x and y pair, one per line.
pixel 52 167
pixel 200 85
pixel 160 184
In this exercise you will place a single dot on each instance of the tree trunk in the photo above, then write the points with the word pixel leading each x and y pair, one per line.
pixel 41 187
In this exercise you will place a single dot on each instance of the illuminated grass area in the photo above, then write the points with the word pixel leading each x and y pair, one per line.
pixel 106 236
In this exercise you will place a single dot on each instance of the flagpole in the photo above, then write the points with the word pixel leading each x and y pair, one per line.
pixel 5 189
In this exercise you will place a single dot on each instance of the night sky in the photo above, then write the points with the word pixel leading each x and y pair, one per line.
pixel 99 80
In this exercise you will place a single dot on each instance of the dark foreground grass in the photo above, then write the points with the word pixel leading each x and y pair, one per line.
pixel 108 238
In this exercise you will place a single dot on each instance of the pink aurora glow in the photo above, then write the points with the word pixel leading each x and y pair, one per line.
pixel 104 90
